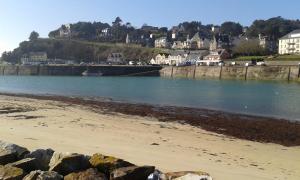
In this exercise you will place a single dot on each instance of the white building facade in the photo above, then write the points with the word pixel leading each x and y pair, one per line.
pixel 290 43
pixel 34 58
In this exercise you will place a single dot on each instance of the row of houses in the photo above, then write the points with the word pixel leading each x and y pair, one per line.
pixel 288 44
pixel 195 43
pixel 41 58
pixel 182 57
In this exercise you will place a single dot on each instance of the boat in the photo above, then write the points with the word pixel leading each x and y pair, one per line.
pixel 89 73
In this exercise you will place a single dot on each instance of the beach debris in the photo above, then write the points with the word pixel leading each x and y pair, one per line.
pixel 11 173
pixel 106 164
pixel 70 164
pixel 28 164
pixel 90 174
pixel 42 156
pixel 190 176
pixel 132 173
pixel 154 144
pixel 186 175
pixel 156 175
pixel 43 175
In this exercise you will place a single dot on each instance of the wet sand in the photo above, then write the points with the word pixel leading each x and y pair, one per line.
pixel 167 137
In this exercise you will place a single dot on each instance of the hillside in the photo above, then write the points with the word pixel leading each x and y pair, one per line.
pixel 80 50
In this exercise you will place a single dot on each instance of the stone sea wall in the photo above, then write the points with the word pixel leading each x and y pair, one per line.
pixel 280 73
pixel 17 163
pixel 68 70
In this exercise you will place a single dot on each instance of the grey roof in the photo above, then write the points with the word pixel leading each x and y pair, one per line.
pixel 196 37
pixel 288 36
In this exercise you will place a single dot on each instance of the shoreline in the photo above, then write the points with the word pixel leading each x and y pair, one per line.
pixel 246 127
pixel 169 145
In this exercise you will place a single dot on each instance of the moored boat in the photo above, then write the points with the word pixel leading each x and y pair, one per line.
pixel 88 73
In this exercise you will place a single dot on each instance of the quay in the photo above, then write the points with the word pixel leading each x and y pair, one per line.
pixel 279 73
pixel 274 72
pixel 77 70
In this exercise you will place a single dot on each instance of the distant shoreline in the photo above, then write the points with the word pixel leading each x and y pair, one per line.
pixel 248 127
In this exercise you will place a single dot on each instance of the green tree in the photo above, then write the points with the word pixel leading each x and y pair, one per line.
pixel 118 22
pixel 33 36
pixel 274 27
pixel 249 48
pixel 231 28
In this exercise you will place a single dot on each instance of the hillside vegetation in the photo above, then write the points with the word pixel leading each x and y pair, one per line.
pixel 80 50
pixel 270 58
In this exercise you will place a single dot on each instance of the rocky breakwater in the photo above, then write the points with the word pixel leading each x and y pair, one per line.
pixel 17 163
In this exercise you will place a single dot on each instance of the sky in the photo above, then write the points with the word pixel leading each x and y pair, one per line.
pixel 20 17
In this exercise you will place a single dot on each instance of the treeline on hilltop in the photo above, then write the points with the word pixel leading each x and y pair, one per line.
pixel 274 28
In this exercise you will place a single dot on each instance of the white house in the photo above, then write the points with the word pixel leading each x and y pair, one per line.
pixel 160 59
pixel 177 59
pixel 290 43
pixel 161 42
pixel 198 42
pixel 65 31
pixel 219 54
pixel 115 58
pixel 34 58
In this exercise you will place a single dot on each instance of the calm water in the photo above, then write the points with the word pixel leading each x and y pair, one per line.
pixel 260 98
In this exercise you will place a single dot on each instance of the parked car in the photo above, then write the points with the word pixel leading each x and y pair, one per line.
pixel 221 63
pixel 261 63
pixel 248 64
pixel 132 63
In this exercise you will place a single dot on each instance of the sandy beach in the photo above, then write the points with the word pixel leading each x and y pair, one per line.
pixel 169 146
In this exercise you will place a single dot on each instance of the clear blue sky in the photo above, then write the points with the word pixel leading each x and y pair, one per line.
pixel 19 17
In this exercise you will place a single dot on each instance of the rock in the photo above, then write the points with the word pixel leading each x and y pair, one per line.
pixel 43 175
pixel 7 157
pixel 156 175
pixel 20 151
pixel 69 164
pixel 90 174
pixel 11 173
pixel 42 156
pixel 132 173
pixel 186 175
pixel 57 157
pixel 106 164
pixel 28 164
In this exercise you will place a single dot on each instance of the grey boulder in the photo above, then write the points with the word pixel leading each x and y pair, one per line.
pixel 42 156
pixel 20 151
pixel 28 164
pixel 43 175
pixel 7 157
pixel 132 173
pixel 69 164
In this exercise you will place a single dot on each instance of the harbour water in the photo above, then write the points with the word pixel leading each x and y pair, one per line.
pixel 248 97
